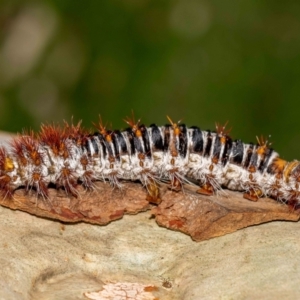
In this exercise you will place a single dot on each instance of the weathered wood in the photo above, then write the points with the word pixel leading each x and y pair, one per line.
pixel 201 217
pixel 100 206
pixel 205 217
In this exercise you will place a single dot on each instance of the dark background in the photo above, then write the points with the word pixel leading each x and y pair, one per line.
pixel 200 61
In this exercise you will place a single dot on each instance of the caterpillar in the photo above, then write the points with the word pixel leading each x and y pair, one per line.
pixel 68 155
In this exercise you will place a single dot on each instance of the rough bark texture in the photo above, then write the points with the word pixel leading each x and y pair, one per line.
pixel 100 206
pixel 204 217
pixel 201 217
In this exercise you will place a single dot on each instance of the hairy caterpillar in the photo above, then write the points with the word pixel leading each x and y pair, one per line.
pixel 69 155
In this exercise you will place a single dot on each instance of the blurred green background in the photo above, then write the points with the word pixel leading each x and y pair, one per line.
pixel 200 61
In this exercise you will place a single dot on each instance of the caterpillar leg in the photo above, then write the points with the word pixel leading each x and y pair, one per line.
pixel 153 195
pixel 253 194
pixel 175 184
pixel 209 186
pixel 206 189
